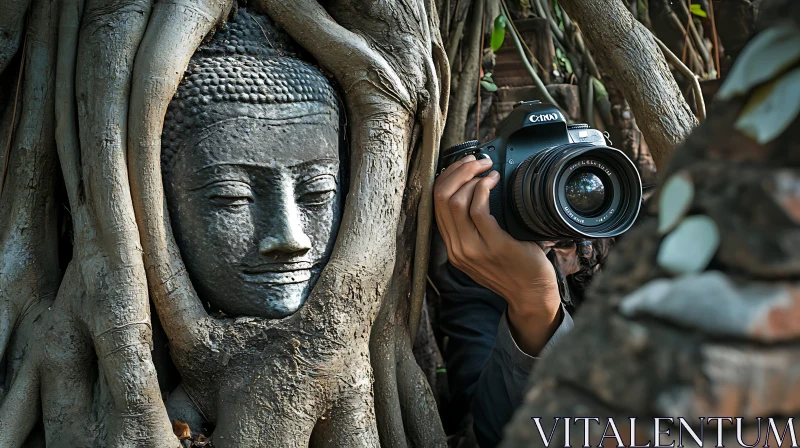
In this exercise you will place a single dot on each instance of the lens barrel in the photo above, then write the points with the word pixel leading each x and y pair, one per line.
pixel 577 190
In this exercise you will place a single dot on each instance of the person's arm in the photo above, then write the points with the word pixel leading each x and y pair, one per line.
pixel 516 270
pixel 504 379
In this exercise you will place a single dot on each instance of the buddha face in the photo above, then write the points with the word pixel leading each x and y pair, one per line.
pixel 255 204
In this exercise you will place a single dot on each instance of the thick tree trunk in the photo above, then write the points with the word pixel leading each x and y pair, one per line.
pixel 624 48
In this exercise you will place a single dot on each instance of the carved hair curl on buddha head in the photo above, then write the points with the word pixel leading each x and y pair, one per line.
pixel 251 165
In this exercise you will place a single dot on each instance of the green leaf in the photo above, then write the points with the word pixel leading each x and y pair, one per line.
pixel 690 247
pixel 698 10
pixel 488 77
pixel 768 54
pixel 676 197
pixel 441 370
pixel 771 108
pixel 557 10
pixel 600 91
pixel 490 86
pixel 562 58
pixel 499 32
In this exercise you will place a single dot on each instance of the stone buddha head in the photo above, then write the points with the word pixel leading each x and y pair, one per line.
pixel 252 170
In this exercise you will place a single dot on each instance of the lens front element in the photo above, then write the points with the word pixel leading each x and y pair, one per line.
pixel 585 192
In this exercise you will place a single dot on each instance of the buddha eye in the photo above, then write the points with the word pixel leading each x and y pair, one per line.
pixel 230 194
pixel 318 198
pixel 319 190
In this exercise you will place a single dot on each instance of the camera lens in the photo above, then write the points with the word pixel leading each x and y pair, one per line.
pixel 577 190
pixel 585 192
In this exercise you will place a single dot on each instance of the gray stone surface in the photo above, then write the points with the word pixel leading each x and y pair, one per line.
pixel 252 171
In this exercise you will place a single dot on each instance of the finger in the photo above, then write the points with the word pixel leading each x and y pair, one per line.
pixel 453 166
pixel 458 170
pixel 486 224
pixel 442 212
pixel 567 261
pixel 447 227
pixel 448 186
pixel 459 205
pixel 547 245
pixel 441 224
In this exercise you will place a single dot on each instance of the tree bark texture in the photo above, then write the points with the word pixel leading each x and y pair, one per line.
pixel 624 48
pixel 96 82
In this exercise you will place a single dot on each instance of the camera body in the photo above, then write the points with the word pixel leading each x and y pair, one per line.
pixel 557 181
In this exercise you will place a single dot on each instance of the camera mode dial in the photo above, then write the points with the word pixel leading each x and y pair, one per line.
pixel 577 126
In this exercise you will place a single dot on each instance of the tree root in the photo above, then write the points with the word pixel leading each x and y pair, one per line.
pixel 464 91
pixel 700 103
pixel 661 112
pixel 12 23
pixel 114 273
pixel 420 413
pixel 66 109
pixel 29 274
pixel 20 409
pixel 176 29
pixel 382 357
pixel 432 118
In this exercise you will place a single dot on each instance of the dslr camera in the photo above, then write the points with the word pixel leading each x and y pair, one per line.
pixel 557 180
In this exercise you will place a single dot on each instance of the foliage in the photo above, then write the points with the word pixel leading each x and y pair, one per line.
pixel 600 91
pixel 488 83
pixel 499 32
pixel 698 10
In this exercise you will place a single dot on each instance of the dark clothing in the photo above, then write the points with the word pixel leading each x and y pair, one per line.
pixel 486 371
pixel 469 317
pixel 502 382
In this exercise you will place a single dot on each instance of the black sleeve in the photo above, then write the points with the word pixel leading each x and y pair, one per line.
pixel 502 382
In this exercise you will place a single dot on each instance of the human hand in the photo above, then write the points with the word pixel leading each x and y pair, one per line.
pixel 516 270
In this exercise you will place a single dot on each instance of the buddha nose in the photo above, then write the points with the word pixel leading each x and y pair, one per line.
pixel 285 232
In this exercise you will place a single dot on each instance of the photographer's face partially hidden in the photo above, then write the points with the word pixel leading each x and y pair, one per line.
pixel 566 255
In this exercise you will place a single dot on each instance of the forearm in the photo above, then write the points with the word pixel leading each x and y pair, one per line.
pixel 505 377
pixel 533 321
